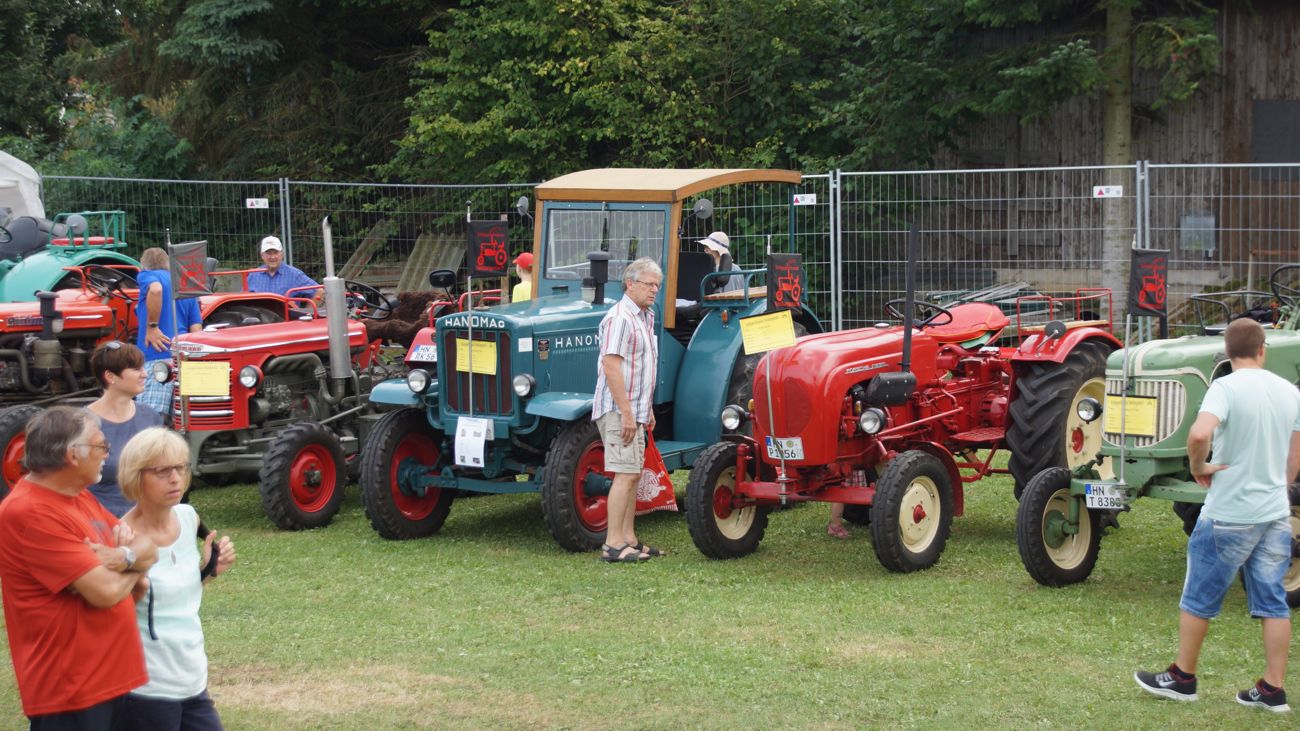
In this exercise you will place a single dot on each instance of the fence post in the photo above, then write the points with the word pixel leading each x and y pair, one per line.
pixel 836 252
pixel 286 221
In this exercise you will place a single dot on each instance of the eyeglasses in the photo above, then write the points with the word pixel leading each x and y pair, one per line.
pixel 96 446
pixel 651 285
pixel 166 471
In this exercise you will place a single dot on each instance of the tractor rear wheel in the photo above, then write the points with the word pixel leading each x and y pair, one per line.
pixel 396 511
pixel 719 528
pixel 1050 554
pixel 857 514
pixel 1045 431
pixel 912 511
pixel 1291 579
pixel 303 476
pixel 13 444
pixel 575 519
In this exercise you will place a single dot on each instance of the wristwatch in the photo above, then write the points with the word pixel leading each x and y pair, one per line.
pixel 153 324
pixel 129 555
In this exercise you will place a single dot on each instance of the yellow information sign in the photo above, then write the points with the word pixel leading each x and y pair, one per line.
pixel 205 378
pixel 485 357
pixel 1139 415
pixel 762 333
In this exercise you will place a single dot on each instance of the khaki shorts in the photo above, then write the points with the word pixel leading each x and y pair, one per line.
pixel 619 457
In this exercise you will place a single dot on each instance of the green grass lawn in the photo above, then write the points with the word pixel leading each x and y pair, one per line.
pixel 490 625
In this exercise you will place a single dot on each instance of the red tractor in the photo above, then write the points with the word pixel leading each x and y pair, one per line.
pixel 890 421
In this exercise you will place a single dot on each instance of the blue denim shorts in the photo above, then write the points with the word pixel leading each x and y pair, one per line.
pixel 1217 550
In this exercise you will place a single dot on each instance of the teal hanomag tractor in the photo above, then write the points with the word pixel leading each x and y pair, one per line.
pixel 529 368
pixel 1153 394
pixel 38 254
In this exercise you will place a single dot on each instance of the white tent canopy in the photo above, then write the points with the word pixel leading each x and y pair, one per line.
pixel 20 189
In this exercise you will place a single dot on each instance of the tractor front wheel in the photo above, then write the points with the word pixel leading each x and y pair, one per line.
pixel 1052 553
pixel 719 527
pixel 575 519
pixel 912 512
pixel 398 511
pixel 302 477
pixel 1291 580
pixel 13 444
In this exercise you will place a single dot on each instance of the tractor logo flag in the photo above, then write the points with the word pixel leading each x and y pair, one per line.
pixel 488 250
pixel 1148 282
pixel 189 269
pixel 785 281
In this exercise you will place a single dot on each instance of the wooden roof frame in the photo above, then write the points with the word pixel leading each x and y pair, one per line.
pixel 653 185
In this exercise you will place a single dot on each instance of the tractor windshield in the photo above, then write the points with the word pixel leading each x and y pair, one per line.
pixel 625 234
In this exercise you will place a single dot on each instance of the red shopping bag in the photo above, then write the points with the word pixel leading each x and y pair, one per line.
pixel 654 491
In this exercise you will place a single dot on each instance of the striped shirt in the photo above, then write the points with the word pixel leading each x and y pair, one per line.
pixel 628 332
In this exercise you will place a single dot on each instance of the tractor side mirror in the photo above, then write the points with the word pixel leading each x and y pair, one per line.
pixel 703 209
pixel 77 224
pixel 442 278
pixel 521 207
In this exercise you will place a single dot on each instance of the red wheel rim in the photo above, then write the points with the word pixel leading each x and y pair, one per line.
pixel 12 468
pixel 423 450
pixel 591 510
pixel 722 496
pixel 312 478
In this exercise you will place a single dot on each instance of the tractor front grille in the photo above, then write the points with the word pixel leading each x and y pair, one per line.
pixel 492 394
pixel 1171 406
pixel 207 413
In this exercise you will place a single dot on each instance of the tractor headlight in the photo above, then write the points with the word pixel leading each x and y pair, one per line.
pixel 250 376
pixel 418 380
pixel 524 385
pixel 871 420
pixel 732 417
pixel 1088 409
pixel 161 371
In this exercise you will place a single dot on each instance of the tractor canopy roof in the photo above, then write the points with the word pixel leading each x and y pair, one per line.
pixel 652 185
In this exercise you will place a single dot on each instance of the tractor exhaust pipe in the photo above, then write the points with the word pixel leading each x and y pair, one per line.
pixel 909 298
pixel 336 311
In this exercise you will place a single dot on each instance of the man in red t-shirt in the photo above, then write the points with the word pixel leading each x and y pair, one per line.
pixel 67 572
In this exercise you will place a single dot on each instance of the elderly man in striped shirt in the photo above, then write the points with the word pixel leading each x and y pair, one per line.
pixel 624 404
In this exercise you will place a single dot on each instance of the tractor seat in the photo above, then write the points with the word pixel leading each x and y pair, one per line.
pixel 970 322
pixel 25 237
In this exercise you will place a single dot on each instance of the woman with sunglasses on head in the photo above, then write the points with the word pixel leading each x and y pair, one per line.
pixel 119 367
pixel 155 472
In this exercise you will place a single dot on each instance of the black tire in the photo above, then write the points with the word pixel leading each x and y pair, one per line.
pixel 576 520
pixel 913 512
pixel 303 477
pixel 1291 579
pixel 857 514
pixel 1045 432
pixel 395 513
pixel 1052 557
pixel 13 440
pixel 717 528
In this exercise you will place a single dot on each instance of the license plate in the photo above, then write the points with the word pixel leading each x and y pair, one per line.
pixel 425 353
pixel 1103 495
pixel 1138 415
pixel 785 448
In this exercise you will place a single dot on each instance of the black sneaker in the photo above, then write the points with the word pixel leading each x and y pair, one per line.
pixel 1259 698
pixel 1166 685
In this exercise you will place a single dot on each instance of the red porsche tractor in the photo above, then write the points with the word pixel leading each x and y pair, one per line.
pixel 890 421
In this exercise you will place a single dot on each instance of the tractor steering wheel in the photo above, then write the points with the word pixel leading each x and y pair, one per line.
pixel 107 281
pixel 366 302
pixel 892 308
pixel 1286 293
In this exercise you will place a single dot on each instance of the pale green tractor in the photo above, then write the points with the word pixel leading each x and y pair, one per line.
pixel 1153 392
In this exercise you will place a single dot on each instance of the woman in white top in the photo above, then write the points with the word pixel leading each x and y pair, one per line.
pixel 154 471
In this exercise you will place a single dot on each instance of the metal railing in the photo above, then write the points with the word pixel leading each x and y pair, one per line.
pixel 1055 229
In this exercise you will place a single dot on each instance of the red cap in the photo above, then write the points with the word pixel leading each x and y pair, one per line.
pixel 525 260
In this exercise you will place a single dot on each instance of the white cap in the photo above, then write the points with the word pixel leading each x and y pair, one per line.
pixel 271 243
pixel 717 241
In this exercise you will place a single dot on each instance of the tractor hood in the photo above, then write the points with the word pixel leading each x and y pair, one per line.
pixel 1200 355
pixel 81 311
pixel 279 338
pixel 45 270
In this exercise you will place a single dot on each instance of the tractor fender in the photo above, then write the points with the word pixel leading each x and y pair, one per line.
pixel 395 392
pixel 954 475
pixel 564 406
pixel 1040 349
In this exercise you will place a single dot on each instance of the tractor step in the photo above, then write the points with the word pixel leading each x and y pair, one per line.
pixel 981 436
